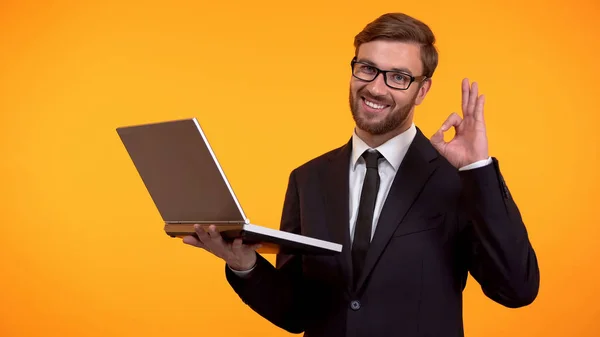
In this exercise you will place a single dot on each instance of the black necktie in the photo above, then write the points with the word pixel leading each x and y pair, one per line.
pixel 364 220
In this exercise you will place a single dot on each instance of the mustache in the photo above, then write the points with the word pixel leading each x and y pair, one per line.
pixel 376 99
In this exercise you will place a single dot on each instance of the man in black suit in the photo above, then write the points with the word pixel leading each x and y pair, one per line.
pixel 415 216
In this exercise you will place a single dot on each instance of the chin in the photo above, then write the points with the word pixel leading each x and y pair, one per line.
pixel 382 122
pixel 372 127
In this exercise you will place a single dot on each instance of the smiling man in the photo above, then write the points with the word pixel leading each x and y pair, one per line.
pixel 377 110
pixel 415 215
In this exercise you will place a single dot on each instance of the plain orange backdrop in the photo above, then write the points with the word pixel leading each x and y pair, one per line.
pixel 82 250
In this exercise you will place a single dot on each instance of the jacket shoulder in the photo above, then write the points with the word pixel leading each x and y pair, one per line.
pixel 322 160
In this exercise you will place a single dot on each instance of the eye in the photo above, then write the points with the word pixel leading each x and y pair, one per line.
pixel 399 78
pixel 365 69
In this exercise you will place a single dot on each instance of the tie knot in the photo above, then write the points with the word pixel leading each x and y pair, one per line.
pixel 372 158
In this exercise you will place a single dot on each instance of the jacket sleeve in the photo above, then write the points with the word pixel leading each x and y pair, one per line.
pixel 276 292
pixel 498 252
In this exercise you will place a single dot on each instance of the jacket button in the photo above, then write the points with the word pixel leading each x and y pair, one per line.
pixel 355 305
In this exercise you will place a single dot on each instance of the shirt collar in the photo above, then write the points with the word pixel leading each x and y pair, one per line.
pixel 393 150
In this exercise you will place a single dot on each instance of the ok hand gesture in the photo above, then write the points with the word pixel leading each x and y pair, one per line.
pixel 470 140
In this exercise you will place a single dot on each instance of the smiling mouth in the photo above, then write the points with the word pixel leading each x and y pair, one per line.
pixel 373 105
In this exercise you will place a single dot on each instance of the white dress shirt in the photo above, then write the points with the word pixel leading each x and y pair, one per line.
pixel 393 152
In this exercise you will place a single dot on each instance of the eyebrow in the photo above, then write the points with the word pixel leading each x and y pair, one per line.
pixel 401 69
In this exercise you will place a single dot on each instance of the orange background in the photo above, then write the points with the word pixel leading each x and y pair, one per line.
pixel 82 248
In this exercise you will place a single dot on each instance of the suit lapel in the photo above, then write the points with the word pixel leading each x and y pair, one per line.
pixel 412 175
pixel 336 180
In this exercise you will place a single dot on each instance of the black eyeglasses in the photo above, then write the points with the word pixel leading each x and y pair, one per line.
pixel 393 79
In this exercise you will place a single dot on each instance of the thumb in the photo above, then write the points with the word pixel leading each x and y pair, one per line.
pixel 437 140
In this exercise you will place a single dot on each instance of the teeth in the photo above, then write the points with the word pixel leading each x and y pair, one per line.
pixel 374 105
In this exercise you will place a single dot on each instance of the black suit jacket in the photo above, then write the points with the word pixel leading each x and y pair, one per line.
pixel 437 225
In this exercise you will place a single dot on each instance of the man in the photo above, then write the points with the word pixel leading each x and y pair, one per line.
pixel 415 216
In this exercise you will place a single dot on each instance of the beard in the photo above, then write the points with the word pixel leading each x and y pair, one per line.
pixel 394 119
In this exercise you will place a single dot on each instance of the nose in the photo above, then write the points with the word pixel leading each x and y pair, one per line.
pixel 377 87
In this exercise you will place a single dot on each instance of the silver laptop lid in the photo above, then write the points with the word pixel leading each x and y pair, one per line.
pixel 181 172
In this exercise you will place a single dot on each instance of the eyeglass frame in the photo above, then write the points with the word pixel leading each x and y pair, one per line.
pixel 421 78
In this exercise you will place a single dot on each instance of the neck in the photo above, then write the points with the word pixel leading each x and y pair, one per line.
pixel 376 140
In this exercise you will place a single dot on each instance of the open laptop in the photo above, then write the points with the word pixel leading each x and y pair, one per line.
pixel 188 186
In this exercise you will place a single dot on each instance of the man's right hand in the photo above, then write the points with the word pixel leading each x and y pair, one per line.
pixel 237 255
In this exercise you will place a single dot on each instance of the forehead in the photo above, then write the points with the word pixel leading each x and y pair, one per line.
pixel 392 55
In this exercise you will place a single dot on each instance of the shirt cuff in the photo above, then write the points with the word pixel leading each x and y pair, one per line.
pixel 477 164
pixel 241 273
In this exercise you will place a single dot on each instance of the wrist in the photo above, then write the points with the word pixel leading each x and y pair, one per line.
pixel 476 164
pixel 243 266
pixel 241 269
pixel 477 158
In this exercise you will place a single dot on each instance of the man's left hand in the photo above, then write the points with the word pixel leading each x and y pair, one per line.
pixel 470 140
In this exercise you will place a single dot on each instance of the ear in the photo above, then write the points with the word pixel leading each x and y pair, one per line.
pixel 423 90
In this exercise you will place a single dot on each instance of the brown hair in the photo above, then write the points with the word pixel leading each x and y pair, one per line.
pixel 404 28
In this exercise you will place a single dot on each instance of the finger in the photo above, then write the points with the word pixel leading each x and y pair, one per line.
pixel 465 96
pixel 201 233
pixel 214 235
pixel 206 241
pixel 237 247
pixel 190 240
pixel 193 241
pixel 473 98
pixel 478 114
pixel 217 244
pixel 453 120
pixel 437 139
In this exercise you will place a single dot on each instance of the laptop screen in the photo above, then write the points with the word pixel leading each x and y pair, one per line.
pixel 181 172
